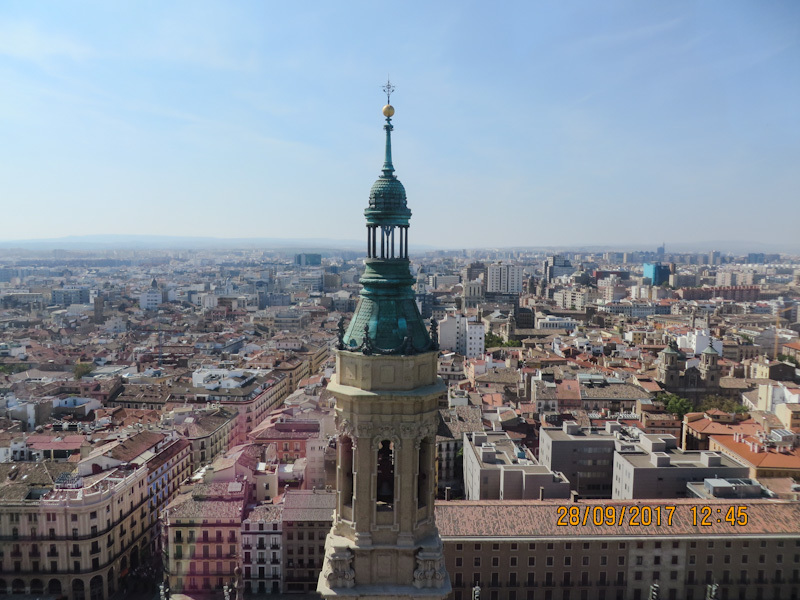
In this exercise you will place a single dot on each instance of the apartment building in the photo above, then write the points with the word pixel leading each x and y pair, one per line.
pixel 262 531
pixel 71 531
pixel 584 456
pixel 167 468
pixel 307 519
pixel 208 431
pixel 454 422
pixel 530 550
pixel 249 395
pixel 656 468
pixel 504 279
pixel 495 467
pixel 202 527
pixel 462 334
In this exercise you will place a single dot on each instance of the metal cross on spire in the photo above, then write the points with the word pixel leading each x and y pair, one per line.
pixel 388 89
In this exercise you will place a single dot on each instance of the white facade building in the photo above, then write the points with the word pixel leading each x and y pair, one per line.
pixel 150 299
pixel 698 340
pixel 461 334
pixel 443 281
pixel 504 279
pixel 553 322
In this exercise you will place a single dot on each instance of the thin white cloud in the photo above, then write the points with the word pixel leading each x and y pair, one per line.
pixel 26 41
pixel 629 35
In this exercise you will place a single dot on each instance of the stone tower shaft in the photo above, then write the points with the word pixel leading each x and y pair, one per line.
pixel 384 542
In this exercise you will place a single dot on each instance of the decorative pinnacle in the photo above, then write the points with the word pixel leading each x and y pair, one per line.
pixel 388 112
pixel 388 89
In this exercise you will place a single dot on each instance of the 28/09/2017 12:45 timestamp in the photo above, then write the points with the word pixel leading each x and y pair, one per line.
pixel 645 516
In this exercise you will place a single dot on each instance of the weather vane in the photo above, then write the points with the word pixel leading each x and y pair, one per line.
pixel 388 89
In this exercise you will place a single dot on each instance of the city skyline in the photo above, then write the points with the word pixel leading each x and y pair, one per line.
pixel 676 121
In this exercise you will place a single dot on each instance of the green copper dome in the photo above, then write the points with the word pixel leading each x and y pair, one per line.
pixel 388 194
pixel 387 319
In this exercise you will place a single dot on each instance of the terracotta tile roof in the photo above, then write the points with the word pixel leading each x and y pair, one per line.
pixel 492 399
pixel 168 453
pixel 266 512
pixel 135 445
pixel 308 505
pixel 521 519
pixel 186 507
pixel 650 386
pixel 771 459
pixel 16 478
pixel 709 427
pixel 568 389
pixel 454 422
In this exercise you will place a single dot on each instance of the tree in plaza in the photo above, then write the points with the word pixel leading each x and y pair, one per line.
pixel 81 369
pixel 675 404
pixel 727 405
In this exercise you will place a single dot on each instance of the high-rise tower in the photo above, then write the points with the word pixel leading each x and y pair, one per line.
pixel 384 542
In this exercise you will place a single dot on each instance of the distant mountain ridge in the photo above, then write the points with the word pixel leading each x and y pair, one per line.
pixel 168 242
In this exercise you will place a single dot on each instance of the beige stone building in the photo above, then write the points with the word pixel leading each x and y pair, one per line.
pixel 71 532
pixel 518 550
pixel 496 468
pixel 250 401
pixel 209 432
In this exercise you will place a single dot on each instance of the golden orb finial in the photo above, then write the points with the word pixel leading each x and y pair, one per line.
pixel 388 110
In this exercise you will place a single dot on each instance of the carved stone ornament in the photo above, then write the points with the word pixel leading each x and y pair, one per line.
pixel 342 574
pixel 345 427
pixel 364 430
pixel 430 572
pixel 385 432
pixel 408 430
pixel 428 430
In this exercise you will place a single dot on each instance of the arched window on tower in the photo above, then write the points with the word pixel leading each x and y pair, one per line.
pixel 423 472
pixel 385 479
pixel 346 469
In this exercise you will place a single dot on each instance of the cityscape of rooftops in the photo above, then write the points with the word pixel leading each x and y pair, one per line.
pixel 451 301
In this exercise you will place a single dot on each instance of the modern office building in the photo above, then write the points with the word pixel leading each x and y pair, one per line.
pixel 504 279
pixel 656 272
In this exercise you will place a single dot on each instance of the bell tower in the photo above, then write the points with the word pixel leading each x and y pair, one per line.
pixel 709 366
pixel 384 542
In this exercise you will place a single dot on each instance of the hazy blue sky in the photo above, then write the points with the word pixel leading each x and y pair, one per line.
pixel 529 123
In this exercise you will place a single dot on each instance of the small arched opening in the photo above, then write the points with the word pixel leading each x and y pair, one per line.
pixel 78 590
pixel 385 475
pixel 346 466
pixel 96 588
pixel 37 586
pixel 425 464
